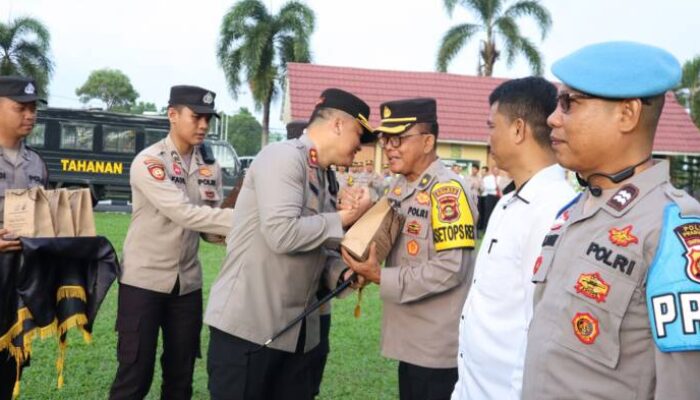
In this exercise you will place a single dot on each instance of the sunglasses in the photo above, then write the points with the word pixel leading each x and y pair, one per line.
pixel 565 99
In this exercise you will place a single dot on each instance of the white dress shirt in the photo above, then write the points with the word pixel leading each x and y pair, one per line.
pixel 495 318
pixel 489 185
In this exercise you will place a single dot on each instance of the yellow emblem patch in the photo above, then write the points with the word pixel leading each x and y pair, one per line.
pixel 452 219
pixel 423 198
pixel 397 191
pixel 592 286
pixel 386 113
pixel 412 247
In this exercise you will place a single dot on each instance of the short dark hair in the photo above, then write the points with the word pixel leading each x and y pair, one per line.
pixel 651 112
pixel 533 99
pixel 485 168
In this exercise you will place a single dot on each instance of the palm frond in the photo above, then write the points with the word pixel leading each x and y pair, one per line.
pixel 531 8
pixel 452 43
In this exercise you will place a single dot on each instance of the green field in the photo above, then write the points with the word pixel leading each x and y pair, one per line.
pixel 355 370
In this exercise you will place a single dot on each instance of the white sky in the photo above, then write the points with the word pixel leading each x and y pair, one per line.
pixel 160 43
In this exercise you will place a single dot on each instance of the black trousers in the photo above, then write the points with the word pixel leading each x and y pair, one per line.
pixel 141 314
pixel 318 356
pixel 8 373
pixel 420 383
pixel 239 370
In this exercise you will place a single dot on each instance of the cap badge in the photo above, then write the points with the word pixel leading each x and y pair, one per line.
pixel 208 98
pixel 29 89
pixel 387 112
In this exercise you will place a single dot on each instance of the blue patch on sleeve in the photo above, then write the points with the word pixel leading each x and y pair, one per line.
pixel 673 284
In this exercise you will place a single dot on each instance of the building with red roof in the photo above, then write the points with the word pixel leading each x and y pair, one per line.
pixel 462 106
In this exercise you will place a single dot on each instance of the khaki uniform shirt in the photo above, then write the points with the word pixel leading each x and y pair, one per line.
pixel 425 280
pixel 590 336
pixel 172 204
pixel 286 221
pixel 28 170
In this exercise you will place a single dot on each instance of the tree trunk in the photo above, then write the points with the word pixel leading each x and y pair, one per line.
pixel 265 137
pixel 489 54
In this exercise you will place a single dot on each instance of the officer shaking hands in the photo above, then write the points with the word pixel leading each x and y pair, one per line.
pixel 618 280
pixel 20 167
pixel 277 253
pixel 425 278
pixel 175 195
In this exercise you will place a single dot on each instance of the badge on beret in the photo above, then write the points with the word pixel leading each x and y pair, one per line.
pixel 413 247
pixel 29 89
pixel 622 237
pixel 585 327
pixel 208 98
pixel 205 171
pixel 593 286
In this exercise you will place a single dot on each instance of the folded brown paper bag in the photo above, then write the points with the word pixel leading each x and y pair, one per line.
pixel 27 212
pixel 380 224
pixel 61 213
pixel 81 207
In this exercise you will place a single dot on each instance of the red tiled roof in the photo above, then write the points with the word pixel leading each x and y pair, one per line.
pixel 462 101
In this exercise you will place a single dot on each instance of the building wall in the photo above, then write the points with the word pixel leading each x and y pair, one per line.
pixel 463 153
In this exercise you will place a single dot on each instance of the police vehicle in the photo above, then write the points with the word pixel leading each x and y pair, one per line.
pixel 94 149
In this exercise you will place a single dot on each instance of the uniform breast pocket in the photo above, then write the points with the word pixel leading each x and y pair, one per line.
pixel 595 301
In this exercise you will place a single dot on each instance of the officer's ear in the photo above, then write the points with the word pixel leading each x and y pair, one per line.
pixel 430 143
pixel 630 111
pixel 173 114
pixel 518 127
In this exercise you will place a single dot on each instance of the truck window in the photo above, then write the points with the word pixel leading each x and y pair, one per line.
pixel 37 138
pixel 118 139
pixel 77 136
pixel 154 135
pixel 224 154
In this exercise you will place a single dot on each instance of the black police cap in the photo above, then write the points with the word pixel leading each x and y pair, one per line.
pixel 400 115
pixel 197 99
pixel 19 89
pixel 351 104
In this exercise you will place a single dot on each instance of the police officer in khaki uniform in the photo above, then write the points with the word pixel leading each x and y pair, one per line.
pixel 425 280
pixel 278 251
pixel 618 281
pixel 20 167
pixel 175 193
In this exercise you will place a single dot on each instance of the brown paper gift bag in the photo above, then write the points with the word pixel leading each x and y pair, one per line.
pixel 27 212
pixel 61 213
pixel 81 207
pixel 380 224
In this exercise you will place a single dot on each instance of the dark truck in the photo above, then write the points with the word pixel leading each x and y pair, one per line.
pixel 94 149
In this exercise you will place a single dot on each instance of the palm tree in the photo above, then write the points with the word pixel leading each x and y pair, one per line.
pixel 499 24
pixel 25 50
pixel 255 46
pixel 689 89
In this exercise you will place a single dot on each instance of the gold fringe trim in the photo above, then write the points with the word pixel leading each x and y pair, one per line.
pixel 71 292
pixel 358 309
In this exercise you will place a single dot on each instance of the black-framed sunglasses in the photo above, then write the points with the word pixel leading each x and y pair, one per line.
pixel 566 98
pixel 395 140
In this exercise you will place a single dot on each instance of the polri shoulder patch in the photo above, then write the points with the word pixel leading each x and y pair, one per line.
pixel 452 219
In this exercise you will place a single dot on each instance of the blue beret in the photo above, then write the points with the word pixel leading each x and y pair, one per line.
pixel 619 70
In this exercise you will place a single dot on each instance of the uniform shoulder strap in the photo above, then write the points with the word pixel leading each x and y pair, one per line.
pixel 687 204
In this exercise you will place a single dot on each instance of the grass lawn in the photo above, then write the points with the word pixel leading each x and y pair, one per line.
pixel 355 370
